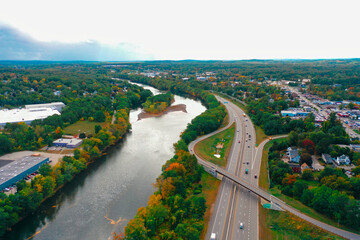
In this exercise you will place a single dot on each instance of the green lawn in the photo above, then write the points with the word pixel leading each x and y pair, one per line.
pixel 207 148
pixel 81 126
pixel 260 135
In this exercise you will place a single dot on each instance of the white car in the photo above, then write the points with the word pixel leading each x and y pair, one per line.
pixel 213 236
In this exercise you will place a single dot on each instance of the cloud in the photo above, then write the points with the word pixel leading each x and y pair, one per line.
pixel 15 45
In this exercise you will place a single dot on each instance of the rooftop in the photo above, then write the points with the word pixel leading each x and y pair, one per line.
pixel 25 115
pixel 16 167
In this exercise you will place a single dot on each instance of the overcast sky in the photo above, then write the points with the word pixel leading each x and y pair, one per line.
pixel 178 29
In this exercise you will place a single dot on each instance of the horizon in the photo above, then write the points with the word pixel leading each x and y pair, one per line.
pixel 161 30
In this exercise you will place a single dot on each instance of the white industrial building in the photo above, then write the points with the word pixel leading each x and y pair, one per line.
pixel 69 143
pixel 54 105
pixel 25 115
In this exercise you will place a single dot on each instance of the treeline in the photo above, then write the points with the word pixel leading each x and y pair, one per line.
pixel 175 211
pixel 334 193
pixel 158 103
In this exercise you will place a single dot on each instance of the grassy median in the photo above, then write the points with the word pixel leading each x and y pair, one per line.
pixel 207 148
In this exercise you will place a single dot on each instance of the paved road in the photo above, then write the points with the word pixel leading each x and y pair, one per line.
pixel 236 203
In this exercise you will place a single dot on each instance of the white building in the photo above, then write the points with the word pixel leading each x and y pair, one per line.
pixel 25 115
pixel 343 159
pixel 54 105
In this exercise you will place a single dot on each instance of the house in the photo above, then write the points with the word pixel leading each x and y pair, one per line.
pixel 343 159
pixel 327 158
pixel 304 166
pixel 293 154
pixel 355 147
pixel 295 167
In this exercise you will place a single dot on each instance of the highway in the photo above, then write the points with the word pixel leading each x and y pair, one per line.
pixel 237 199
pixel 234 204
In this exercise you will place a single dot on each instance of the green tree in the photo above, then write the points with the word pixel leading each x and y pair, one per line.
pixel 45 170
pixel 307 175
pixel 305 158
pixel 5 144
pixel 99 116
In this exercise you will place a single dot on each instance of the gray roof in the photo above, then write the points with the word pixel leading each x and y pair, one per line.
pixel 16 167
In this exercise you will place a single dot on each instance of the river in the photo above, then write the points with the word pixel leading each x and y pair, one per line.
pixel 102 199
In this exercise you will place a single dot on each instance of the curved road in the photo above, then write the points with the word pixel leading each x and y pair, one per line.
pixel 235 203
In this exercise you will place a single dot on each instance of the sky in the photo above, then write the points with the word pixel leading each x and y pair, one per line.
pixel 123 30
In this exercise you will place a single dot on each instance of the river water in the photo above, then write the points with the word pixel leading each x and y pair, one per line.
pixel 103 198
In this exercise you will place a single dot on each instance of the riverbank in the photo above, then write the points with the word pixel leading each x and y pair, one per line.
pixel 174 108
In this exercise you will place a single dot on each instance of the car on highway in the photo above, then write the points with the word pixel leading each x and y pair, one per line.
pixel 241 225
pixel 239 141
pixel 255 176
pixel 213 236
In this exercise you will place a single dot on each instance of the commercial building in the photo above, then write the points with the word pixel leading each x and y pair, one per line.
pixel 69 143
pixel 25 115
pixel 19 169
pixel 54 105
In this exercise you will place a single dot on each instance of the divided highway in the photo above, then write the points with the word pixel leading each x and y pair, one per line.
pixel 237 200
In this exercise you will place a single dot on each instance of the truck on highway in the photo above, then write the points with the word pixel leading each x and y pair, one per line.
pixel 241 225
pixel 246 171
pixel 213 236
pixel 244 115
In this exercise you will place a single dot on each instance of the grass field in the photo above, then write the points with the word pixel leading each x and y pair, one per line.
pixel 207 148
pixel 82 126
pixel 260 135
pixel 284 225
pixel 209 192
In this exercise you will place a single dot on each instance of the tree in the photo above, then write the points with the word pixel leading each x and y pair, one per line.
pixel 309 145
pixel 307 175
pixel 99 116
pixel 5 144
pixel 45 170
pixel 306 158
pixel 82 135
pixel 97 128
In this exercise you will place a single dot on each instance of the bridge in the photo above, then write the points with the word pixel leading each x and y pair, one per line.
pixel 214 170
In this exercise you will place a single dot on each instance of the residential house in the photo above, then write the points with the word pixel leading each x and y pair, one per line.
pixel 327 158
pixel 304 166
pixel 342 160
pixel 295 167
pixel 355 147
pixel 293 154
